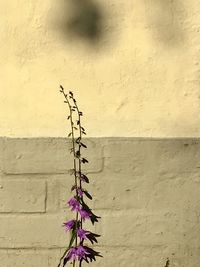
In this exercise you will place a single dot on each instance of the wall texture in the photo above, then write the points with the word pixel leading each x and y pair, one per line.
pixel 145 190
pixel 134 69
pixel 138 61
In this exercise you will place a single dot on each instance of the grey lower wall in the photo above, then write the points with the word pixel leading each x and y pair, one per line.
pixel 147 192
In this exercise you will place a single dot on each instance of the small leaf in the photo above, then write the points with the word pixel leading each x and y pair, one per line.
pixel 73 188
pixel 78 140
pixel 68 117
pixel 65 261
pixel 83 145
pixel 84 160
pixel 75 128
pixel 80 113
pixel 69 134
pixel 78 122
pixel 87 194
pixel 85 178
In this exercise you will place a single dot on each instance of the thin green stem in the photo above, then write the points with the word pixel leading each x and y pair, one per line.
pixel 79 149
pixel 63 257
pixel 79 160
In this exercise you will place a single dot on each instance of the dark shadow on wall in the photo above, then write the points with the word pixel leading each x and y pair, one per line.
pixel 165 19
pixel 83 19
pixel 86 20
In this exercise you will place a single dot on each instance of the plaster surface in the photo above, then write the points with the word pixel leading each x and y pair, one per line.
pixel 133 66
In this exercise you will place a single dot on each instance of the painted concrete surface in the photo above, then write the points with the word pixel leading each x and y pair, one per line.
pixel 133 65
pixel 145 190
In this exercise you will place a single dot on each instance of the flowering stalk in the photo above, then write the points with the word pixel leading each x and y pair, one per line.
pixel 77 251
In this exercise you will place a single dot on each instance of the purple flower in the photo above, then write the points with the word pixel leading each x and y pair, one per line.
pixel 84 214
pixel 74 204
pixel 77 253
pixel 69 225
pixel 82 234
pixel 81 252
pixel 71 255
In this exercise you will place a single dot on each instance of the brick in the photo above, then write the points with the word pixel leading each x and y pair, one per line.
pixel 2 145
pixel 59 192
pixel 36 155
pixel 94 154
pixel 126 157
pixel 47 155
pixel 30 258
pixel 44 258
pixel 175 194
pixel 140 256
pixel 28 231
pixel 22 195
pixel 152 156
pixel 129 228
pixel 116 195
pixel 176 156
pixel 118 192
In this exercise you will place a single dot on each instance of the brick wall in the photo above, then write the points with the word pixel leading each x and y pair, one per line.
pixel 146 191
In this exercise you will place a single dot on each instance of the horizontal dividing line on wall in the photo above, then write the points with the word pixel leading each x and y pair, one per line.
pixel 32 214
pixel 31 175
pixel 46 174
pixel 25 214
pixel 46 249
pixel 143 138
pixel 106 213
pixel 31 248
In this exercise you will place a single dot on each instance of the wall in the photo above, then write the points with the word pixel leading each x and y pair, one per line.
pixel 146 191
pixel 137 61
pixel 134 69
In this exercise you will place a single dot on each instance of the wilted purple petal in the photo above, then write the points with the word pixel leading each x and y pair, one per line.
pixel 84 214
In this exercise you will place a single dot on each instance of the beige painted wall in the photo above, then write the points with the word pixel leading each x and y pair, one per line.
pixel 139 77
pixel 146 192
